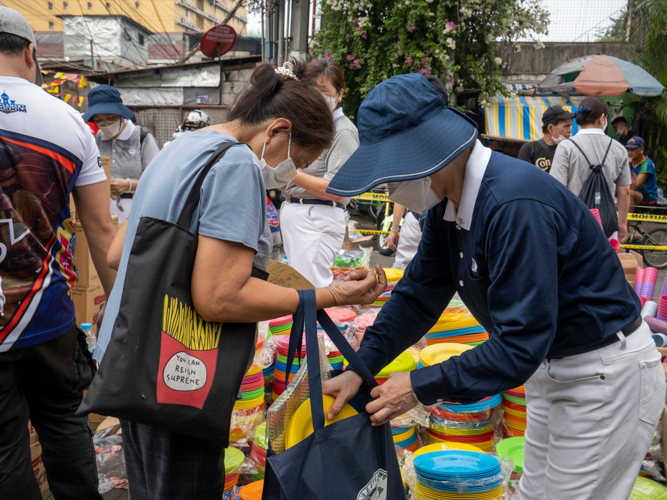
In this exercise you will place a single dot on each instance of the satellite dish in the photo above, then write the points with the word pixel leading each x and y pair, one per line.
pixel 218 40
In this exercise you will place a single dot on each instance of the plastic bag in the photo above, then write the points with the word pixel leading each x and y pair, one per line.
pixel 351 259
pixel 110 460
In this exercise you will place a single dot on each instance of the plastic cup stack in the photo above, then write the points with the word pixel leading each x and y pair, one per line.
pixel 596 214
pixel 343 319
pixel 650 309
pixel 662 308
pixel 258 452
pixel 233 463
pixel 281 326
pixel 645 283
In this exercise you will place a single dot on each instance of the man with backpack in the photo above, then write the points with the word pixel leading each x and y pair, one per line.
pixel 129 147
pixel 592 159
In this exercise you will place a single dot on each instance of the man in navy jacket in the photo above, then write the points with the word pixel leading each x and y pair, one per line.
pixel 530 262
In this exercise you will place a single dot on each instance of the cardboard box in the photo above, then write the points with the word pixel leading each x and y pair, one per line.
pixel 87 274
pixel 630 263
pixel 94 420
pixel 40 471
pixel 112 424
pixel 88 302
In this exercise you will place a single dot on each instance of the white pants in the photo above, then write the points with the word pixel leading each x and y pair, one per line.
pixel 312 235
pixel 408 242
pixel 126 203
pixel 591 418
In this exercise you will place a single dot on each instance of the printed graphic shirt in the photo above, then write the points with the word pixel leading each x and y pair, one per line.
pixel 539 153
pixel 650 187
pixel 45 150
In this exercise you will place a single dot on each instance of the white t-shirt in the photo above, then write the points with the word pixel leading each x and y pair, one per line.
pixel 45 150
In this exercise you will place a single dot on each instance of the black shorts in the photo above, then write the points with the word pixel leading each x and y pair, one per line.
pixel 648 200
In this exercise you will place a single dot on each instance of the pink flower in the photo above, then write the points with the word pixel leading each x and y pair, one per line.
pixel 409 61
pixel 358 28
pixel 395 54
pixel 400 53
pixel 424 60
pixel 350 57
pixel 365 36
pixel 356 61
pixel 414 28
pixel 356 20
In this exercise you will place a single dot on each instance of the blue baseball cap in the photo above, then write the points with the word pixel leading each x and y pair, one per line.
pixel 634 142
pixel 105 100
pixel 406 131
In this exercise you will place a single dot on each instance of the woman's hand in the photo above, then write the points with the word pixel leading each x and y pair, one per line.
pixel 358 287
pixel 119 186
pixel 343 387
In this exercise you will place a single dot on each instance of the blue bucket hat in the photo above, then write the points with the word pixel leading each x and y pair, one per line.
pixel 406 131
pixel 105 100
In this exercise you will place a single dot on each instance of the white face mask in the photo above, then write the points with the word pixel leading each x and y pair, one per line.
pixel 416 195
pixel 282 174
pixel 558 139
pixel 331 101
pixel 111 129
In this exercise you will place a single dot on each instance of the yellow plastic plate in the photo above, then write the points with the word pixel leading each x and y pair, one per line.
pixel 301 425
pixel 445 445
pixel 436 354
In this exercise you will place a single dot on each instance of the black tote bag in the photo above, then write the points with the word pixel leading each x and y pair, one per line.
pixel 165 366
pixel 595 194
pixel 349 459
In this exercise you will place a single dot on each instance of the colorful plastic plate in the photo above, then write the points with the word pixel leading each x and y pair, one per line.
pixel 341 315
pixel 233 460
pixel 283 320
pixel 301 424
pixel 456 463
pixel 260 436
pixel 514 413
pixel 435 354
pixel 447 445
pixel 403 363
pixel 513 399
pixel 253 491
pixel 404 436
pixel 393 275
pixel 513 448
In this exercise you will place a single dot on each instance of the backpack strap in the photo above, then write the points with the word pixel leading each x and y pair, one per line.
pixel 582 152
pixel 142 135
pixel 606 152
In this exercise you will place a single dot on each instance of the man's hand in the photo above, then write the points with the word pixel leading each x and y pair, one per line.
pixel 343 387
pixel 358 287
pixel 119 186
pixel 392 241
pixel 392 399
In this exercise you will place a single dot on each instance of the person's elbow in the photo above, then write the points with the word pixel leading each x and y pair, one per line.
pixel 623 190
pixel 221 305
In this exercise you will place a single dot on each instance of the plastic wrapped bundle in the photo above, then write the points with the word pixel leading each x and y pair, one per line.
pixel 514 406
pixel 347 260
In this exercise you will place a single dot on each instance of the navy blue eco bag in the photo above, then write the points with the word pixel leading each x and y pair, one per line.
pixel 349 459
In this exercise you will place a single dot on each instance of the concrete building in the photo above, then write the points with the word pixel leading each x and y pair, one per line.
pixel 158 16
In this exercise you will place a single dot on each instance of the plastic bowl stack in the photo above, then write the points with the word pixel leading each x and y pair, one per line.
pixel 281 365
pixel 281 326
pixel 343 319
pixel 233 463
pixel 455 474
pixel 456 328
pixel 252 491
pixel 247 413
pixel 454 422
pixel 514 405
pixel 513 448
pixel 258 452
pixel 393 277
pixel 405 439
pixel 645 280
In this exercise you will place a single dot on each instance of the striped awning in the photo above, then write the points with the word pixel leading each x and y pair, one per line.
pixel 520 117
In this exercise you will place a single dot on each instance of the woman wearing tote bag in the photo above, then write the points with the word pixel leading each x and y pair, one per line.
pixel 180 325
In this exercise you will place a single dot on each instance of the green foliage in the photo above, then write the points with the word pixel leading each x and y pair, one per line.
pixel 617 32
pixel 457 40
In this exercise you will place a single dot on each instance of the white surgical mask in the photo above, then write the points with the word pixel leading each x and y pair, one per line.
pixel 111 129
pixel 282 174
pixel 558 139
pixel 331 101
pixel 416 195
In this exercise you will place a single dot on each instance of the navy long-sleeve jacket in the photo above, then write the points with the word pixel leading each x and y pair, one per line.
pixel 534 269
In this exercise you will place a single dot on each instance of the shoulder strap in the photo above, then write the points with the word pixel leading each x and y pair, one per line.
pixel 586 157
pixel 142 135
pixel 606 152
pixel 192 200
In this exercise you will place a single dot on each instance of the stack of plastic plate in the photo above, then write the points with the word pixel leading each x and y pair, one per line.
pixel 233 462
pixel 281 365
pixel 513 448
pixel 403 363
pixel 247 413
pixel 455 328
pixel 456 474
pixel 514 405
pixel 280 326
pixel 436 354
pixel 258 452
pixel 252 491
pixel 393 277
pixel 343 319
pixel 405 439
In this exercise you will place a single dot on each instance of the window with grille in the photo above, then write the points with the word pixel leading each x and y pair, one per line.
pixel 64 5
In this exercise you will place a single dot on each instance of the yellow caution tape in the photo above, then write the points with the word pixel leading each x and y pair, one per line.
pixel 373 197
pixel 645 247
pixel 372 231
pixel 648 218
